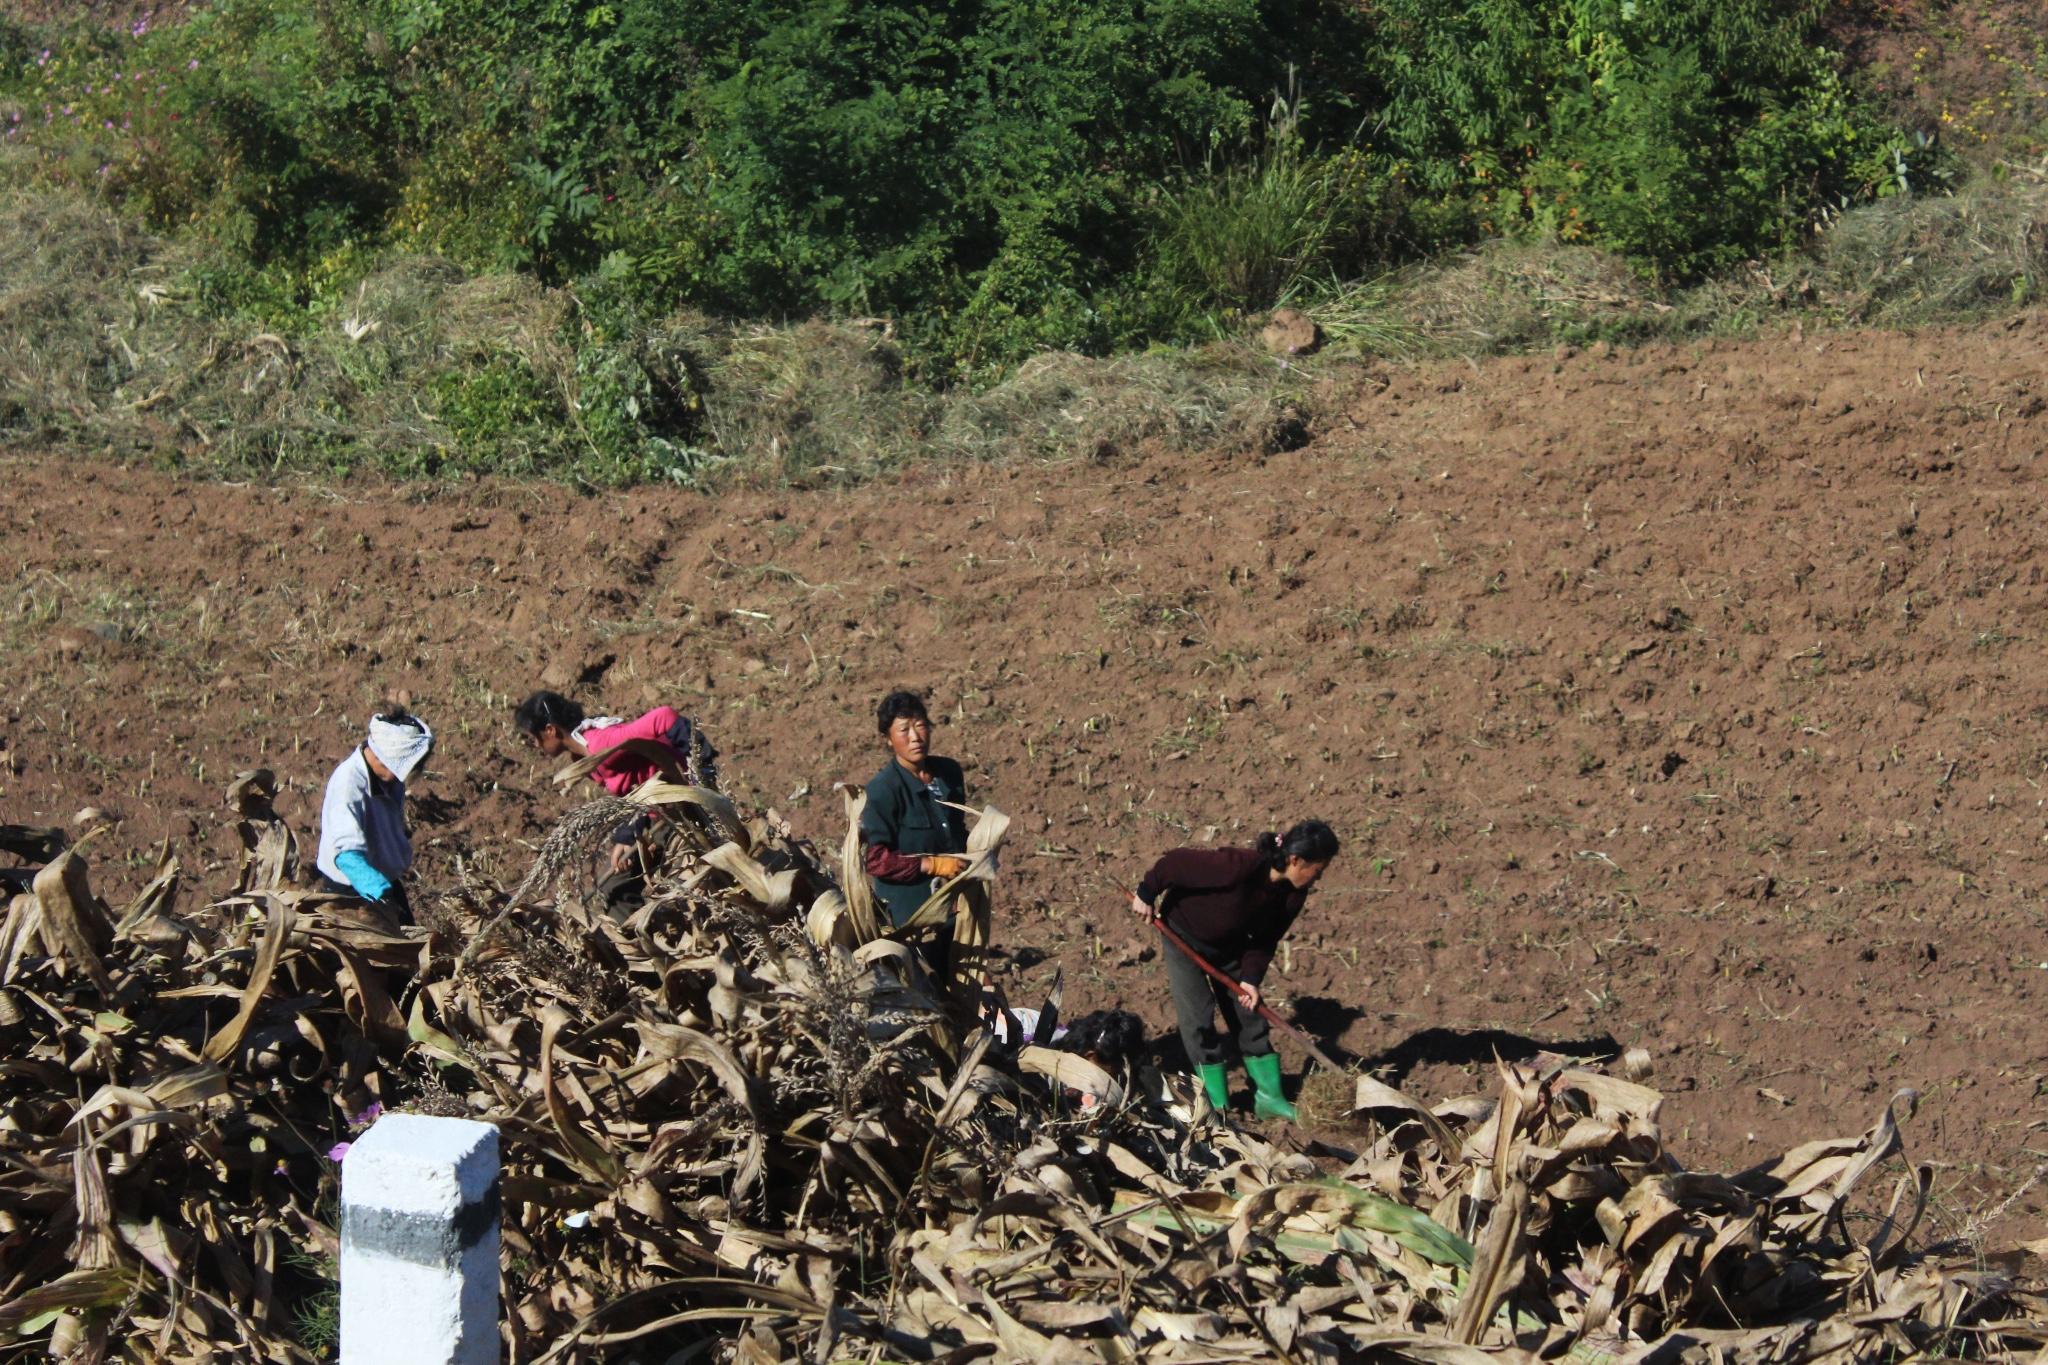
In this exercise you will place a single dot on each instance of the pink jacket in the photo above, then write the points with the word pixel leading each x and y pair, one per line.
pixel 624 772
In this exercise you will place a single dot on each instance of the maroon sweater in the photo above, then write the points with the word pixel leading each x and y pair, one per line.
pixel 1225 903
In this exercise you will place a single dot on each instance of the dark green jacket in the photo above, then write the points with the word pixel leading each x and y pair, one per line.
pixel 902 814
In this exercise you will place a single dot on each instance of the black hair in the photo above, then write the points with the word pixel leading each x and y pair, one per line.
pixel 899 705
pixel 1312 841
pixel 547 708
pixel 1113 1037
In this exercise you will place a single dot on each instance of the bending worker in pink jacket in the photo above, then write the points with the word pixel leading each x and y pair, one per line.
pixel 556 725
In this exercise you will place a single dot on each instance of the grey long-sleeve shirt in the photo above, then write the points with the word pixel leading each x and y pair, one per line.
pixel 360 814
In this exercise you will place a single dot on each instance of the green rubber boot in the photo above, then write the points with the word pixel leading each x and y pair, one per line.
pixel 1268 1100
pixel 1216 1081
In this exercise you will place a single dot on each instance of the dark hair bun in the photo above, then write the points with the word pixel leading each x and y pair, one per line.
pixel 1312 841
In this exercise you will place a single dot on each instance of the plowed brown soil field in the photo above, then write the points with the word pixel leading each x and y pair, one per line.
pixel 1693 698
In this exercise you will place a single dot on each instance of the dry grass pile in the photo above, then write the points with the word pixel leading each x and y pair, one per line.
pixel 107 342
pixel 1902 262
pixel 112 339
pixel 1511 295
pixel 1934 258
pixel 831 401
pixel 730 1133
pixel 1061 405
pixel 62 318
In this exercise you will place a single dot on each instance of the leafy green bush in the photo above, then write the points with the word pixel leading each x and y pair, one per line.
pixel 492 409
pixel 1685 134
pixel 640 410
pixel 982 168
pixel 1239 237
pixel 978 168
pixel 268 123
pixel 997 177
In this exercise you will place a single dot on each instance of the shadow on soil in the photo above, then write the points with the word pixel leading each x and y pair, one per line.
pixel 436 810
pixel 1326 1020
pixel 1462 1047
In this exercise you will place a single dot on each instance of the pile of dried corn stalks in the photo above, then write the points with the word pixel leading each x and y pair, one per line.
pixel 731 1133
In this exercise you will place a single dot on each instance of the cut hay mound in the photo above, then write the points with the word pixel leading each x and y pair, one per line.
pixel 731 1130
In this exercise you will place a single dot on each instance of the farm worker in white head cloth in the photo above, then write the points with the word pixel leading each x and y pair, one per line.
pixel 364 850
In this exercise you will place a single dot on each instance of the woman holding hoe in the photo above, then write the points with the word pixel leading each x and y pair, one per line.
pixel 912 837
pixel 1233 906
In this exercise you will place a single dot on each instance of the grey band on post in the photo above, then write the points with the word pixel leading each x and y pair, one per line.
pixel 420 1238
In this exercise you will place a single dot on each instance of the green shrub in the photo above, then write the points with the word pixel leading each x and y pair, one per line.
pixel 1236 238
pixel 995 177
pixel 1684 134
pixel 640 410
pixel 983 167
pixel 493 411
pixel 1032 297
pixel 978 170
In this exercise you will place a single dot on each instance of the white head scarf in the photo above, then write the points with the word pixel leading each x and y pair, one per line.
pixel 400 745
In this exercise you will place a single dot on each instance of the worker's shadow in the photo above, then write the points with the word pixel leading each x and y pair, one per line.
pixel 435 810
pixel 1463 1047
pixel 1327 1020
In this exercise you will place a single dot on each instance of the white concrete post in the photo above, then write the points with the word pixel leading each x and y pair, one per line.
pixel 419 1243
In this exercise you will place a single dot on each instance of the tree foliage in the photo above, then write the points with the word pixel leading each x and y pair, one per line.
pixel 1001 176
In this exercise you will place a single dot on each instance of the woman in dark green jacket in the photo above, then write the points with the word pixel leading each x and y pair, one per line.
pixel 911 834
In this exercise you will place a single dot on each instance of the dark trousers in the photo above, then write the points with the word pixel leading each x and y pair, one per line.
pixel 1197 999
pixel 623 892
pixel 937 952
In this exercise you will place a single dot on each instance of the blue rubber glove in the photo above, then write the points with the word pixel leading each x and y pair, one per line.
pixel 363 878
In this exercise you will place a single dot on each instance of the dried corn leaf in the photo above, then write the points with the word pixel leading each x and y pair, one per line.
pixel 738 1126
pixel 74 925
pixel 276 931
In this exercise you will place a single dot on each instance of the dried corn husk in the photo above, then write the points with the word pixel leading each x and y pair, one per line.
pixel 742 1125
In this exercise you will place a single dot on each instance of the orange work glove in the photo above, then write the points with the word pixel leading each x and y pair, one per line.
pixel 944 866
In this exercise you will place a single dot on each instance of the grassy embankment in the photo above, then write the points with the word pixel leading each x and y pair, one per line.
pixel 344 237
